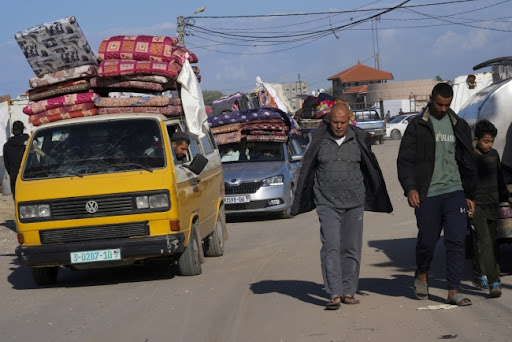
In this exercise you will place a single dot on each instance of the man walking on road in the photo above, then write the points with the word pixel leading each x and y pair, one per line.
pixel 438 175
pixel 341 177
pixel 13 152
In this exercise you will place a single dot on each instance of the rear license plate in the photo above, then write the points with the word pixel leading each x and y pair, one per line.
pixel 95 256
pixel 237 199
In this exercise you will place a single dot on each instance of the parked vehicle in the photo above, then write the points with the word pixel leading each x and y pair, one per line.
pixel 108 190
pixel 259 176
pixel 396 127
pixel 371 122
pixel 493 103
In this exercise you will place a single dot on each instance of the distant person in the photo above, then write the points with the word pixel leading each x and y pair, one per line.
pixel 340 177
pixel 13 152
pixel 400 112
pixel 438 174
pixel 490 191
pixel 388 116
pixel 180 142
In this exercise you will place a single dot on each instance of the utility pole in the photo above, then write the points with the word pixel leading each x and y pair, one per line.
pixel 182 22
pixel 180 30
pixel 300 84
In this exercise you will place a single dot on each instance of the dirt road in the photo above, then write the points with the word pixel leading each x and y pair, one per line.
pixel 267 287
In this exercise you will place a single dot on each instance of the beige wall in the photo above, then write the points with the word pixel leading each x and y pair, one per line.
pixel 399 90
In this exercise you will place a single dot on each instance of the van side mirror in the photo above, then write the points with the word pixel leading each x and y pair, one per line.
pixel 197 164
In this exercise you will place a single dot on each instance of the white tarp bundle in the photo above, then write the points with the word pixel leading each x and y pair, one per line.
pixel 192 100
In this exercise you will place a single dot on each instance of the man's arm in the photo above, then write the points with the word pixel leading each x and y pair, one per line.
pixel 406 161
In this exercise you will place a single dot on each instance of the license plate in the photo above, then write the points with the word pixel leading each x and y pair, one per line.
pixel 237 199
pixel 95 256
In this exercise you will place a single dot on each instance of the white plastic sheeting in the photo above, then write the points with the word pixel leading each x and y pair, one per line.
pixel 192 100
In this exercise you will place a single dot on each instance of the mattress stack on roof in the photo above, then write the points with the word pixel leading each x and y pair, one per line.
pixel 135 73
pixel 138 74
pixel 256 124
pixel 63 63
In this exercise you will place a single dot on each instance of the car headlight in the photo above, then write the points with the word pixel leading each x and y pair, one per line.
pixel 34 211
pixel 275 180
pixel 152 201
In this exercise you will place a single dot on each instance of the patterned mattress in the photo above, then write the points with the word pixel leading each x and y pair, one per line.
pixel 55 46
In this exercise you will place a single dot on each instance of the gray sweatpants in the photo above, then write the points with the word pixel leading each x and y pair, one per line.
pixel 341 233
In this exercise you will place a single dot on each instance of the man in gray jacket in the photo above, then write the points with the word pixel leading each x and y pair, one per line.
pixel 340 176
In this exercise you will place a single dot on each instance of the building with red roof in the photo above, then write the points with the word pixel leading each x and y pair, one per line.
pixel 351 84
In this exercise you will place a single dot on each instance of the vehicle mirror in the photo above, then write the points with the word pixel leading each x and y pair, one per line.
pixel 296 158
pixel 197 164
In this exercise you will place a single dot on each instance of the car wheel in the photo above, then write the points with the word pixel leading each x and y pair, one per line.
pixel 189 263
pixel 45 275
pixel 285 214
pixel 214 245
pixel 395 134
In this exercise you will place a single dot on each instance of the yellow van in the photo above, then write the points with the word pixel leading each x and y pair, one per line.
pixel 108 190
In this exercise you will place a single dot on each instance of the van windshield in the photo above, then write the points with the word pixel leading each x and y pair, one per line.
pixel 251 152
pixel 96 147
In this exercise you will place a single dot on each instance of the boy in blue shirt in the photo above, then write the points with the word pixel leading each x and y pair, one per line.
pixel 490 191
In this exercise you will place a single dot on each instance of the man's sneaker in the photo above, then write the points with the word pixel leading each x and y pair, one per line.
pixel 481 283
pixel 495 290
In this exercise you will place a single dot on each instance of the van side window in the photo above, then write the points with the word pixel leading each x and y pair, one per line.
pixel 207 144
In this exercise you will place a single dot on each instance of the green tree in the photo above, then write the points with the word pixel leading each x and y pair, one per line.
pixel 439 78
pixel 211 95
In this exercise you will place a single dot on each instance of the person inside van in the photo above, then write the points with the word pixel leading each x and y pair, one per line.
pixel 180 142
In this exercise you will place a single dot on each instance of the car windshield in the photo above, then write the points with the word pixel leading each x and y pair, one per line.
pixel 398 119
pixel 96 147
pixel 251 152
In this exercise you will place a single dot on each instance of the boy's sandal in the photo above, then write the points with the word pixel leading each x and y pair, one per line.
pixel 420 289
pixel 459 299
pixel 495 290
pixel 334 303
pixel 348 299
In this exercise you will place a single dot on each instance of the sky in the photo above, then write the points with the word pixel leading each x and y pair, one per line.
pixel 421 41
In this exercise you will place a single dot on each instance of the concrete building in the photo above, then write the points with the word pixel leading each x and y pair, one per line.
pixel 352 84
pixel 293 90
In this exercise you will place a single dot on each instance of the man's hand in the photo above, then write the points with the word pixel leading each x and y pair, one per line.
pixel 413 198
pixel 471 207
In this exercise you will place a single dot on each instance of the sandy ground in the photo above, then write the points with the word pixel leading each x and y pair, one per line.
pixel 267 287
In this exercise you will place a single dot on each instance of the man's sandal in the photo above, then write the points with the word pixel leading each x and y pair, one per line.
pixel 420 289
pixel 348 299
pixel 459 299
pixel 334 303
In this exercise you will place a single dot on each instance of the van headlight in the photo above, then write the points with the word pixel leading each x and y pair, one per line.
pixel 34 211
pixel 152 201
pixel 274 180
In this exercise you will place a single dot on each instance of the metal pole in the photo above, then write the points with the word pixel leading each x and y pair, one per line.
pixel 180 30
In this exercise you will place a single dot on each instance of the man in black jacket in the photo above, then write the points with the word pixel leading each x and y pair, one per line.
pixel 13 152
pixel 340 177
pixel 438 175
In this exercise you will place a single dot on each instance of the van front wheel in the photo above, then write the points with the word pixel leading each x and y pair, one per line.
pixel 214 245
pixel 45 275
pixel 189 263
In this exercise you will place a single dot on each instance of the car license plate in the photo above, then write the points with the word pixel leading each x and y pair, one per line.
pixel 95 256
pixel 236 199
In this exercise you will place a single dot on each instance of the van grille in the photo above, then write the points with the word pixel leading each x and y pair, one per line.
pixel 242 188
pixel 124 230
pixel 75 208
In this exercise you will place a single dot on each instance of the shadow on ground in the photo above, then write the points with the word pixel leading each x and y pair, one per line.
pixel 21 277
pixel 10 224
pixel 305 291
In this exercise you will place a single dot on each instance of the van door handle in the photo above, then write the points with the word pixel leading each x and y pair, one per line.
pixel 195 181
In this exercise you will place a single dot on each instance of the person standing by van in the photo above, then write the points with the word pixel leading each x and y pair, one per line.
pixel 490 191
pixel 13 152
pixel 438 175
pixel 340 177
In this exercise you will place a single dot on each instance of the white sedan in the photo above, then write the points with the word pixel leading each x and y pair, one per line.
pixel 396 127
